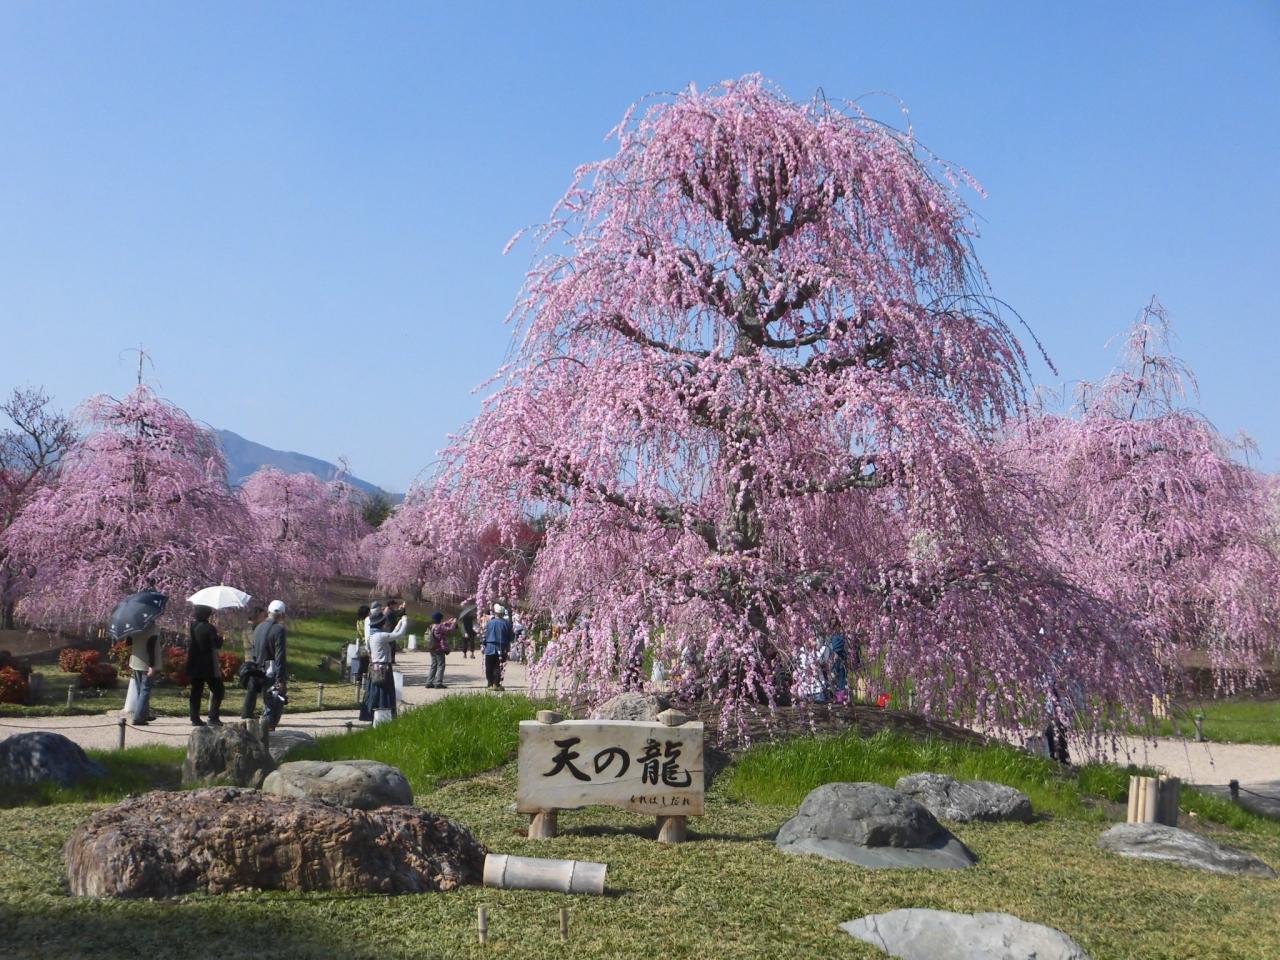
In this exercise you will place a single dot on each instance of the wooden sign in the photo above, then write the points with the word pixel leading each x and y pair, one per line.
pixel 644 767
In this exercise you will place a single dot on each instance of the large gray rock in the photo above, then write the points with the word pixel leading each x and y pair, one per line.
pixel 631 706
pixel 940 935
pixel 873 826
pixel 224 840
pixel 1155 841
pixel 43 757
pixel 231 753
pixel 362 784
pixel 281 743
pixel 962 801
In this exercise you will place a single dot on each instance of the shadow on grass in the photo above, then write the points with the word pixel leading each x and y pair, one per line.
pixel 240 928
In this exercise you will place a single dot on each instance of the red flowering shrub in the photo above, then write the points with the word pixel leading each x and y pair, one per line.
pixel 13 686
pixel 882 701
pixel 71 659
pixel 119 654
pixel 175 665
pixel 229 663
pixel 95 675
pixel 8 660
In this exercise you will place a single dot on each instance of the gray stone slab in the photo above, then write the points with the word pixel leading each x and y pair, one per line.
pixel 917 934
pixel 966 800
pixel 1155 841
pixel 872 826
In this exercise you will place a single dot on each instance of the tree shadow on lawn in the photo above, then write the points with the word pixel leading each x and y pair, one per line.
pixel 177 929
pixel 650 832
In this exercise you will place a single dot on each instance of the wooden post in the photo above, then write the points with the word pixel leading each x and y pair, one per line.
pixel 543 825
pixel 319 696
pixel 120 745
pixel 482 924
pixel 1199 728
pixel 71 694
pixel 564 923
pixel 672 829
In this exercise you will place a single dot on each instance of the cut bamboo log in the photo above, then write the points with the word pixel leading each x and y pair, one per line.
pixel 1154 800
pixel 507 872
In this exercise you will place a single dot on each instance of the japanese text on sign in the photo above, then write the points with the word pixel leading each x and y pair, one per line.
pixel 645 767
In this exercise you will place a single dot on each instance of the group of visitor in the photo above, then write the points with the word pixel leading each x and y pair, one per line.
pixel 264 673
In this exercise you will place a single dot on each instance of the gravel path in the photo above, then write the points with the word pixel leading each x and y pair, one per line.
pixel 1203 763
pixel 462 675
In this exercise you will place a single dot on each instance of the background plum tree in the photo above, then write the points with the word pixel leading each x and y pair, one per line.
pixel 1155 510
pixel 141 502
pixel 30 451
pixel 755 383
pixel 311 528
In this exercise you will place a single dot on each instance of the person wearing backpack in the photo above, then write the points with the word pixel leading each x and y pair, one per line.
pixel 270 655
pixel 438 647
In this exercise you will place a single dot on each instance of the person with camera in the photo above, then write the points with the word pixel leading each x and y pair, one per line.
pixel 270 656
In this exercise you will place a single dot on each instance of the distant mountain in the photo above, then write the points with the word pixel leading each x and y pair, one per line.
pixel 244 457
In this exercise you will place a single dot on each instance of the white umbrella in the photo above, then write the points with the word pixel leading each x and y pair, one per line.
pixel 220 597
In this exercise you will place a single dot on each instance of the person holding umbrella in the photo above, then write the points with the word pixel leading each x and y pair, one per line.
pixel 203 666
pixel 134 620
pixel 144 661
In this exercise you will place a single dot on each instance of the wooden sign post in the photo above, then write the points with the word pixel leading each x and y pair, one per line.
pixel 645 767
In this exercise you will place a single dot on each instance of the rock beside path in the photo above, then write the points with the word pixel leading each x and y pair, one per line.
pixel 43 757
pixel 223 840
pixel 231 753
pixel 873 826
pixel 361 784
pixel 940 935
pixel 1155 841
pixel 631 706
pixel 963 801
pixel 283 742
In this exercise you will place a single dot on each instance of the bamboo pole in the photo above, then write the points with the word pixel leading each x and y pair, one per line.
pixel 482 924
pixel 564 924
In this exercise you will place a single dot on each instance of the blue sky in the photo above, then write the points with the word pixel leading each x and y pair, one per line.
pixel 300 209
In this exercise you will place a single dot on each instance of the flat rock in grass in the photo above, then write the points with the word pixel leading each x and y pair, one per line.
pixel 631 706
pixel 1155 841
pixel 965 800
pixel 43 757
pixel 283 742
pixel 224 840
pixel 940 935
pixel 231 753
pixel 362 784
pixel 873 826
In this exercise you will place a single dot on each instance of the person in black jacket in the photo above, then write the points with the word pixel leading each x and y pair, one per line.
pixel 203 666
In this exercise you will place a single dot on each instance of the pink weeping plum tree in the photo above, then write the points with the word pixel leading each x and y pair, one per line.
pixel 311 528
pixel 1157 512
pixel 141 502
pixel 31 447
pixel 428 548
pixel 755 380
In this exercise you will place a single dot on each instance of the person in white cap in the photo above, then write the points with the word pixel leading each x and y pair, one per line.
pixel 269 652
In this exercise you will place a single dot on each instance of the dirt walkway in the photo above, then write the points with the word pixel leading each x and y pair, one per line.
pixel 462 676
pixel 1203 763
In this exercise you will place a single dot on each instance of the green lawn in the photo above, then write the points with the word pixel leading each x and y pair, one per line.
pixel 1237 720
pixel 726 894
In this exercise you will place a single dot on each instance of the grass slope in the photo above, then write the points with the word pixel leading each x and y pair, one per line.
pixel 726 894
